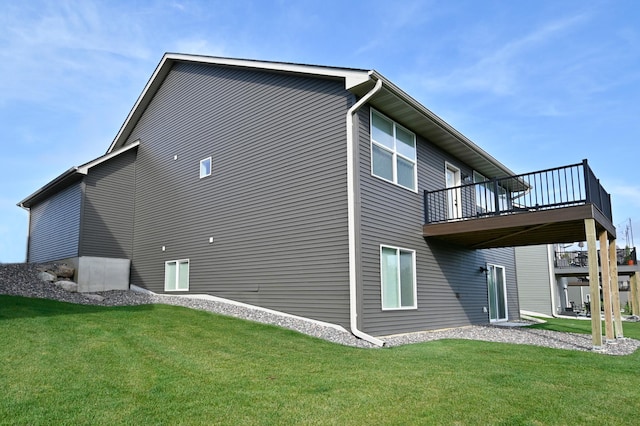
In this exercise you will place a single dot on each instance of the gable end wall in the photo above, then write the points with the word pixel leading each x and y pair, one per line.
pixel 275 204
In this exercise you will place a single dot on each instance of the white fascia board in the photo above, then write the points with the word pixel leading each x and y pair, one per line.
pixel 353 77
pixel 141 103
pixel 431 116
pixel 84 169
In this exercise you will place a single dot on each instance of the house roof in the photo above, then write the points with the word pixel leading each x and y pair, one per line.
pixel 69 177
pixel 391 100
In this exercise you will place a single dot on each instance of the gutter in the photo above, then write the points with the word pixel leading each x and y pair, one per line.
pixel 26 203
pixel 73 173
pixel 351 212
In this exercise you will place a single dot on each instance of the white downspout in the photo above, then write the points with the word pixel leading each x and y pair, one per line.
pixel 351 212
pixel 553 280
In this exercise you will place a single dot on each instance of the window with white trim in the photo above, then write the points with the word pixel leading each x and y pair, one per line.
pixel 398 278
pixel 176 275
pixel 393 152
pixel 205 167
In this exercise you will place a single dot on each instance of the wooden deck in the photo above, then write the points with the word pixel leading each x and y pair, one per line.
pixel 559 225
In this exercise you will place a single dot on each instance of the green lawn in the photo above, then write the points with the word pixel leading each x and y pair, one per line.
pixel 73 364
pixel 584 326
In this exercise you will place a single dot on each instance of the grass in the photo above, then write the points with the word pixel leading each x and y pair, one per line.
pixel 74 364
pixel 631 330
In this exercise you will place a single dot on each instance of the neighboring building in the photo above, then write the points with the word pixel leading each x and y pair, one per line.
pixel 537 289
pixel 294 187
pixel 554 281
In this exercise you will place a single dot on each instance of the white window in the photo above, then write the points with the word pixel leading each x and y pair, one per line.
pixel 398 278
pixel 393 152
pixel 176 275
pixel 205 167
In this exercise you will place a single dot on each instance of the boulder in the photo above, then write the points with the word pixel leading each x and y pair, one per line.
pixel 64 271
pixel 47 276
pixel 69 286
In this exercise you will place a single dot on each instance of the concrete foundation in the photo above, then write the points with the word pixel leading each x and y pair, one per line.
pixel 101 274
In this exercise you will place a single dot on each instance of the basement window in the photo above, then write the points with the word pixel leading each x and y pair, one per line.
pixel 176 275
pixel 205 167
pixel 398 278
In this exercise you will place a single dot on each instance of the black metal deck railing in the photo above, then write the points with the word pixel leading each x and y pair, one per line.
pixel 566 186
pixel 579 259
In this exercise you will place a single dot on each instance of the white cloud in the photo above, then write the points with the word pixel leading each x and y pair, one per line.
pixel 47 46
pixel 392 22
pixel 498 71
pixel 628 194
pixel 197 46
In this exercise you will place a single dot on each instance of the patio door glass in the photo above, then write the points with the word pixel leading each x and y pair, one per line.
pixel 497 290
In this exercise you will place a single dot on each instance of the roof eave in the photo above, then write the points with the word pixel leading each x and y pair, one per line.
pixel 62 180
pixel 446 127
pixel 352 78
pixel 70 176
pixel 84 169
pixel 355 80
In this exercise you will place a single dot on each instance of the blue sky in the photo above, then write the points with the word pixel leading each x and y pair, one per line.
pixel 537 84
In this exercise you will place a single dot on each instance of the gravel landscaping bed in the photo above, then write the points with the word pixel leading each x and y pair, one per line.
pixel 21 280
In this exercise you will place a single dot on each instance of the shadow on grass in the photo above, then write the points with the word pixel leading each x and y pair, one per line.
pixel 15 307
pixel 565 327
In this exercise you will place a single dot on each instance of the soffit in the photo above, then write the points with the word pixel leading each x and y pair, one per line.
pixel 390 100
pixel 402 108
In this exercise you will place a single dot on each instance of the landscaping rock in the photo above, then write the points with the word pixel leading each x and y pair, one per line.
pixel 69 286
pixel 92 296
pixel 64 271
pixel 47 276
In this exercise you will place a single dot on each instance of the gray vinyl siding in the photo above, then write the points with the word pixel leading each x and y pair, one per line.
pixel 108 208
pixel 54 226
pixel 534 279
pixel 275 203
pixel 451 290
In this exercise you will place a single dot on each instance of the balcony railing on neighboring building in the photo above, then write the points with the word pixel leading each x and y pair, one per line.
pixel 559 187
pixel 578 259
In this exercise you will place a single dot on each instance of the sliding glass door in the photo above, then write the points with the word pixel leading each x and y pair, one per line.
pixel 497 292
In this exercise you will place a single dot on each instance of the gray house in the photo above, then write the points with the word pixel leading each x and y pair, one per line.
pixel 293 187
pixel 554 281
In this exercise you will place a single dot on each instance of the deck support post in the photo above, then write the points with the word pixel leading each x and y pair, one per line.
pixel 594 281
pixel 606 285
pixel 615 293
pixel 634 296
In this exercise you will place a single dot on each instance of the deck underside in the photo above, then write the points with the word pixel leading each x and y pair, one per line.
pixel 562 225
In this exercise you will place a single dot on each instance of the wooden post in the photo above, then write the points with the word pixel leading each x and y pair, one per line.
pixel 635 294
pixel 632 295
pixel 606 285
pixel 594 281
pixel 613 264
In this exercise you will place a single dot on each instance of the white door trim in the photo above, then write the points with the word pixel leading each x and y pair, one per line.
pixel 454 196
